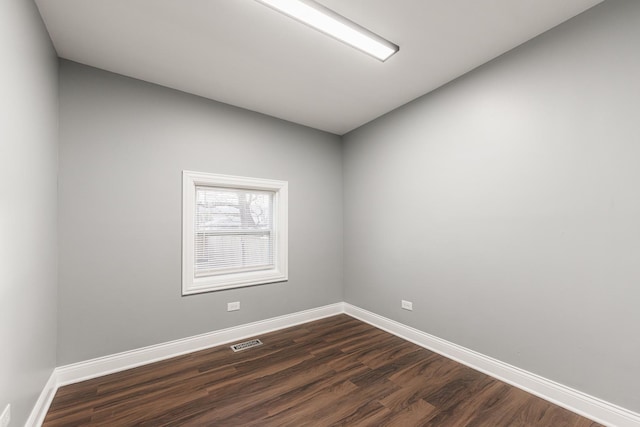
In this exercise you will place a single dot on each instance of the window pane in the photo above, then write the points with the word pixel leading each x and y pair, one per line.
pixel 233 230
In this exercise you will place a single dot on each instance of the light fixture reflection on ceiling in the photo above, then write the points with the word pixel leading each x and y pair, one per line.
pixel 337 26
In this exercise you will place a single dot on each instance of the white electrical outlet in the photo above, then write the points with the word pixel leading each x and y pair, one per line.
pixel 233 306
pixel 6 416
pixel 407 305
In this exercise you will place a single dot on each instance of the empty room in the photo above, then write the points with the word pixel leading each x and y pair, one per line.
pixel 320 213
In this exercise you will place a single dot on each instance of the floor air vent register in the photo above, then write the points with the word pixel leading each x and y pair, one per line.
pixel 245 345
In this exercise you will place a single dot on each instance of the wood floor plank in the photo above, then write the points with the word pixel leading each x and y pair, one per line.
pixel 336 371
pixel 297 397
pixel 415 414
pixel 467 409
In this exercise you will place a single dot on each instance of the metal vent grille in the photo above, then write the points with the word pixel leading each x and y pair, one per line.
pixel 245 345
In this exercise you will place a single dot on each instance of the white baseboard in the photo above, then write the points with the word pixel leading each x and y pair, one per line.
pixel 44 401
pixel 588 406
pixel 593 408
pixel 93 368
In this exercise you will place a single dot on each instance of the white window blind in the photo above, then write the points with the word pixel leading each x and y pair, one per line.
pixel 234 230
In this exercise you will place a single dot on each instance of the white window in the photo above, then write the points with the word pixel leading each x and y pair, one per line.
pixel 234 231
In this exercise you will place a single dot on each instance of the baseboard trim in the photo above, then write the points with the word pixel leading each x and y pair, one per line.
pixel 93 368
pixel 39 411
pixel 576 401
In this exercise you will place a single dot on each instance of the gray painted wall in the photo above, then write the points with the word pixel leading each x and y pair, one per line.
pixel 123 146
pixel 506 207
pixel 28 169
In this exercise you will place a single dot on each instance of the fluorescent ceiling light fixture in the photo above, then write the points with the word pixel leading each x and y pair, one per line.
pixel 337 26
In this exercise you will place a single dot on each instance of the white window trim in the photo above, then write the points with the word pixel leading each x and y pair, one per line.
pixel 194 285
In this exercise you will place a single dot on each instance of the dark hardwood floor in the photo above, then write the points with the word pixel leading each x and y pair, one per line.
pixel 335 371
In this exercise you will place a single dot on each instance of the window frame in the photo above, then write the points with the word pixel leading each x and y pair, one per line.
pixel 192 284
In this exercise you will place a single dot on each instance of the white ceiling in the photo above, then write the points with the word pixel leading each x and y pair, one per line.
pixel 245 54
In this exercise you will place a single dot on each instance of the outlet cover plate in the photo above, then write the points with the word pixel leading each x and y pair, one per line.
pixel 407 305
pixel 233 306
pixel 6 416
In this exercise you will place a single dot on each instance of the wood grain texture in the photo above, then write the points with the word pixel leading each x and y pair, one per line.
pixel 332 372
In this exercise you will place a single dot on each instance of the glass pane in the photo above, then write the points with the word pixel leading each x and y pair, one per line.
pixel 233 228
